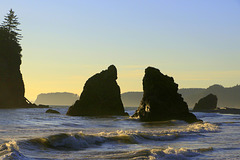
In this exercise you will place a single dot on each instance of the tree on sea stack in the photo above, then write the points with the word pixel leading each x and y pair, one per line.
pixel 10 48
pixel 11 83
pixel 12 88
pixel 10 24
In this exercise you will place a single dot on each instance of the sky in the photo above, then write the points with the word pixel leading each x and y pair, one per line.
pixel 65 42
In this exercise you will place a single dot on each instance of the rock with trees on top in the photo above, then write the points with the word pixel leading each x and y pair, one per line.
pixel 12 88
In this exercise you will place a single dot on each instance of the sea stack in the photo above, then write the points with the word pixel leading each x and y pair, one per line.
pixel 207 103
pixel 11 82
pixel 161 101
pixel 12 88
pixel 100 97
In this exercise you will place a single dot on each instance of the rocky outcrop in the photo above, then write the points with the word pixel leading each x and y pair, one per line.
pixel 100 96
pixel 12 88
pixel 206 103
pixel 11 82
pixel 52 111
pixel 161 101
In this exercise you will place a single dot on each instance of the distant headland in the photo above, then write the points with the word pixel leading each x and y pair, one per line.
pixel 57 98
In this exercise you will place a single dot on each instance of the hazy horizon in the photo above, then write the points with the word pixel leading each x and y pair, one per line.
pixel 66 42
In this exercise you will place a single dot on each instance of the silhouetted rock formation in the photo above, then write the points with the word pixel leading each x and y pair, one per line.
pixel 52 111
pixel 11 82
pixel 160 100
pixel 100 96
pixel 58 98
pixel 206 103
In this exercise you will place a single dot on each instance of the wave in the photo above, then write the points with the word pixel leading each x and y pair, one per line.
pixel 171 153
pixel 205 114
pixel 69 141
pixel 78 141
pixel 168 153
pixel 10 151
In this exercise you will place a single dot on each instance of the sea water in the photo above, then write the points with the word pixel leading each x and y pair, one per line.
pixel 27 134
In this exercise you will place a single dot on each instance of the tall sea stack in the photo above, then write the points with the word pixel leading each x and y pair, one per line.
pixel 100 97
pixel 161 101
pixel 11 82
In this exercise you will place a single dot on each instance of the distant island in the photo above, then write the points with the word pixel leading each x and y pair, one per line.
pixel 227 96
pixel 58 98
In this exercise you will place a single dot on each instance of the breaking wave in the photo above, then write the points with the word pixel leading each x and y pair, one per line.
pixel 78 141
pixel 10 151
pixel 181 153
pixel 153 154
pixel 69 141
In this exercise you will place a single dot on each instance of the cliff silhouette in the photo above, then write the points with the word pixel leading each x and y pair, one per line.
pixel 11 83
pixel 12 88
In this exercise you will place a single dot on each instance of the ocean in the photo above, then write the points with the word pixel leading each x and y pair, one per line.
pixel 32 134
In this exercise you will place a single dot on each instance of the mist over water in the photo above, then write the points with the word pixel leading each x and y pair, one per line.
pixel 34 134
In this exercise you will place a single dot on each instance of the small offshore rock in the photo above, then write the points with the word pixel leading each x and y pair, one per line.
pixel 52 111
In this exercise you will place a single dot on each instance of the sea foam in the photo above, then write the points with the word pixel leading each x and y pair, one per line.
pixel 10 151
pixel 179 153
pixel 168 153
